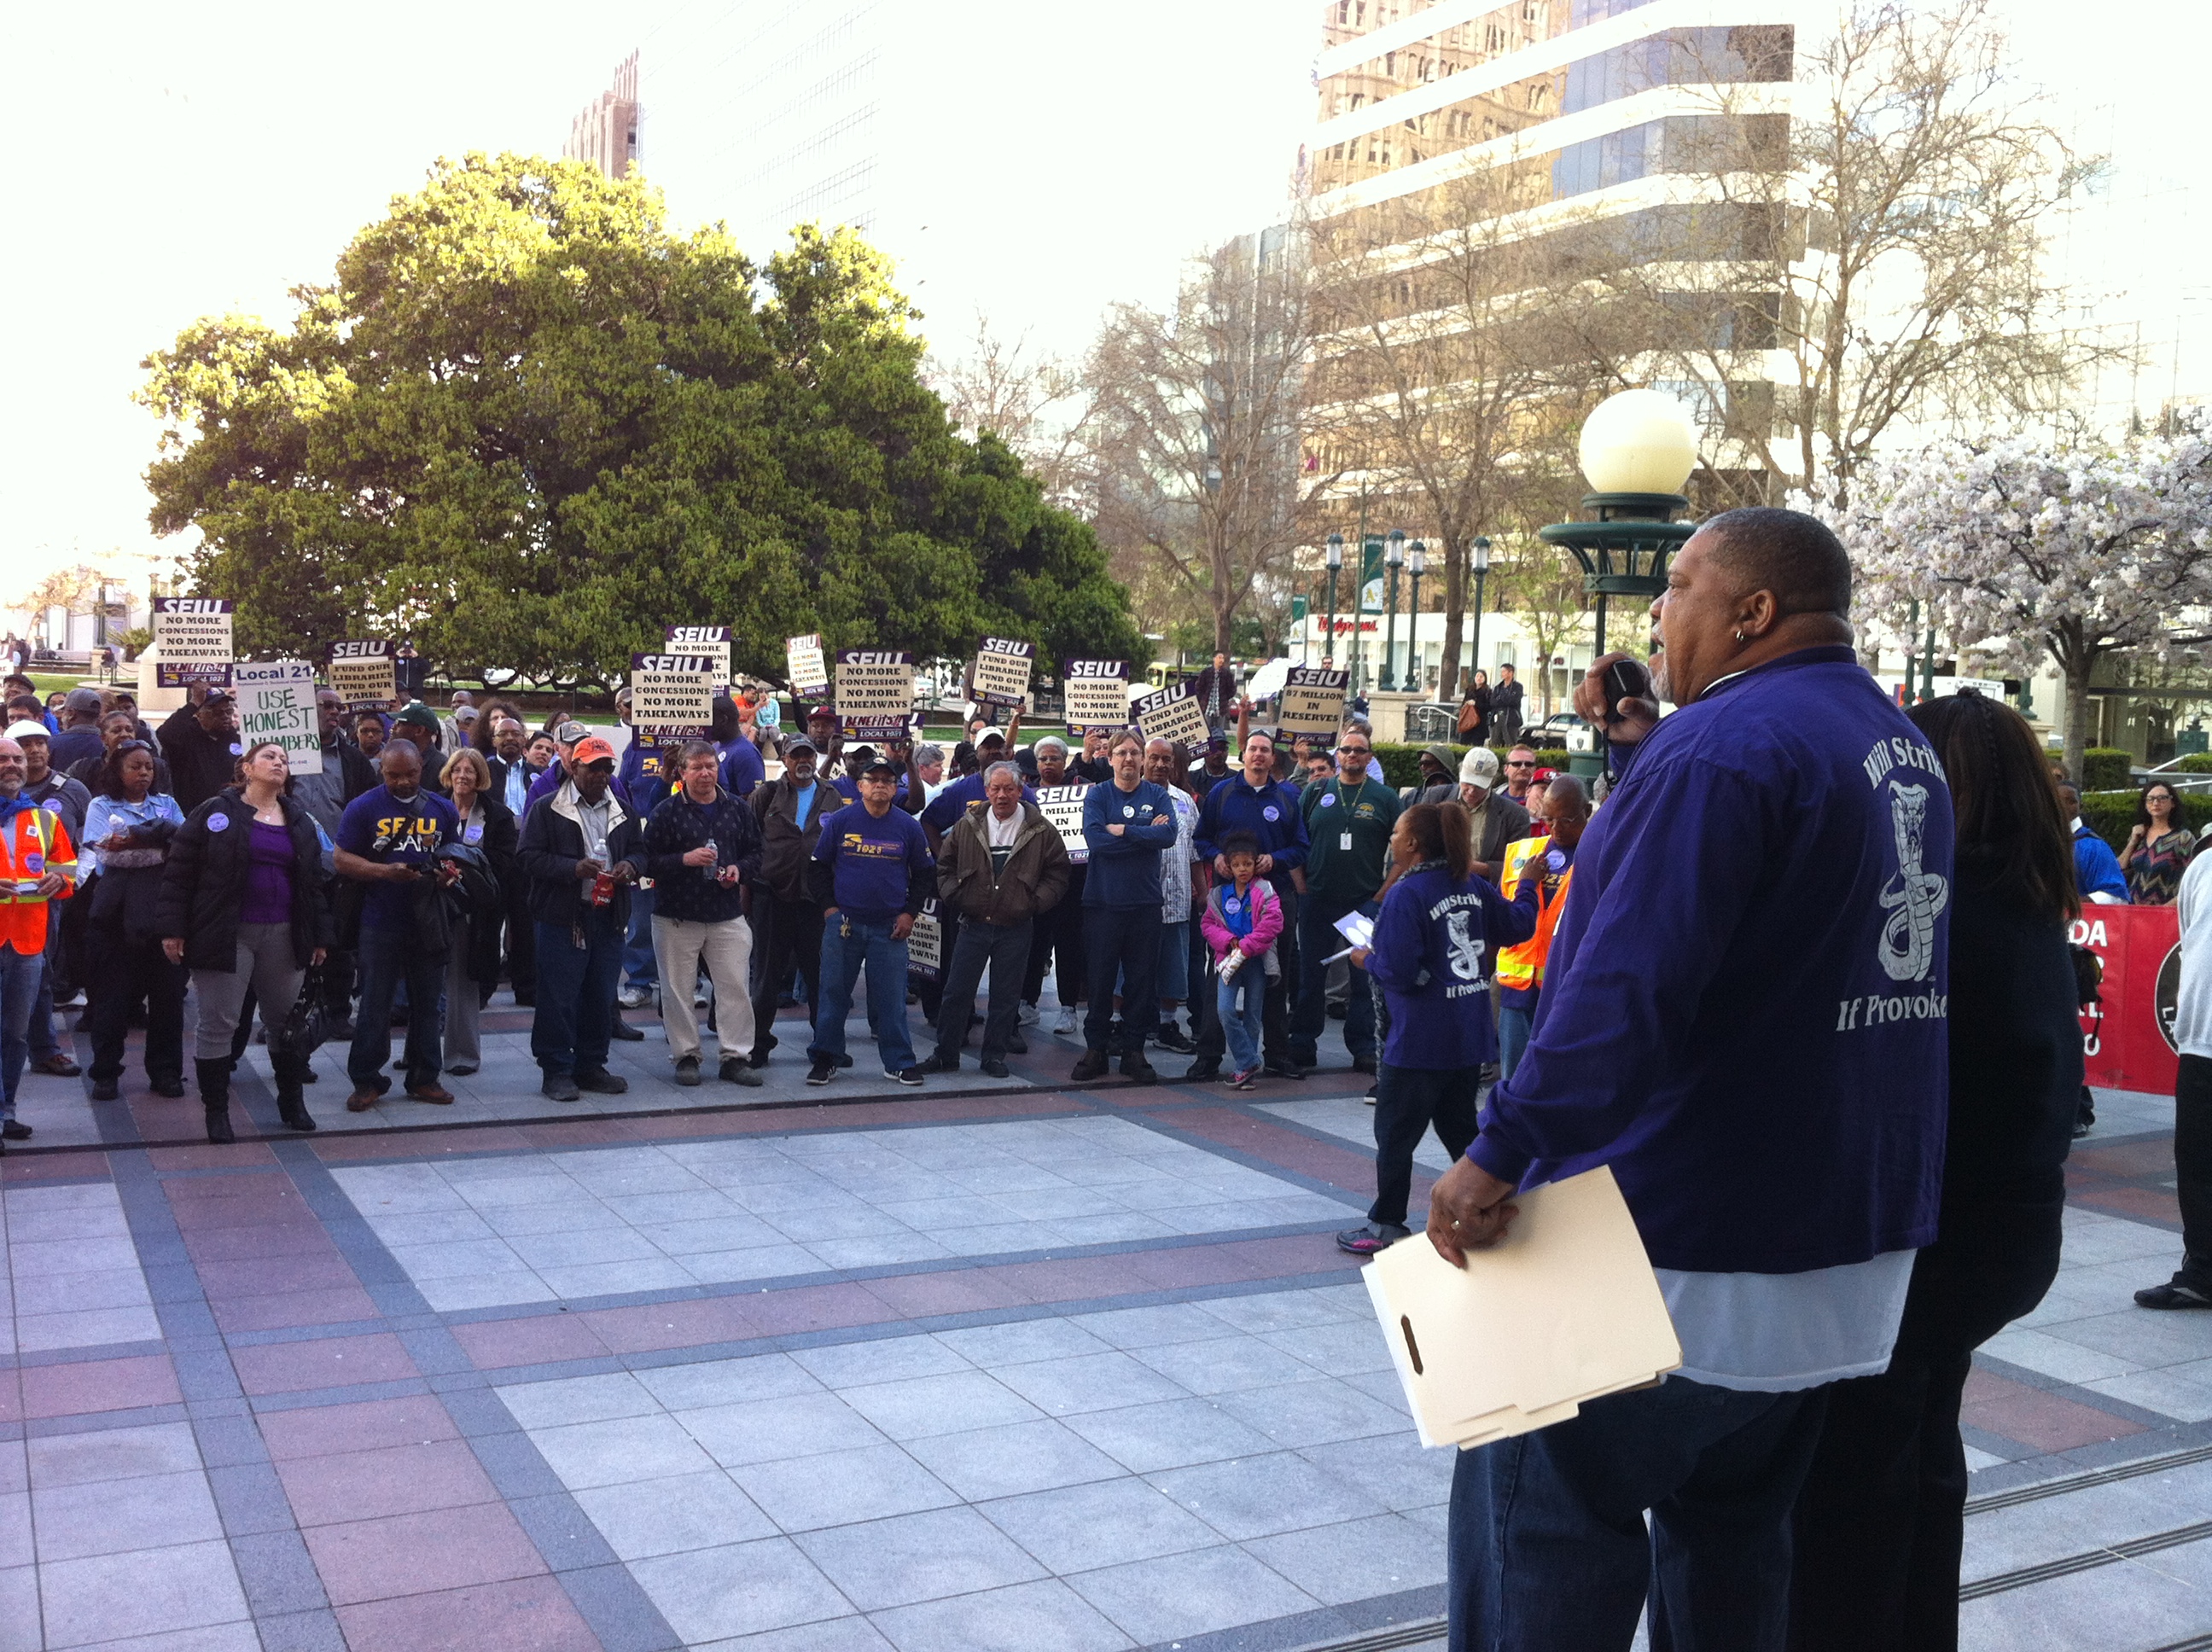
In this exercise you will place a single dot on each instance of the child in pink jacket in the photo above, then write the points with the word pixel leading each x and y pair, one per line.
pixel 1242 918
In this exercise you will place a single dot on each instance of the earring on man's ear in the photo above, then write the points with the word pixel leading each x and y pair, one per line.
pixel 1740 639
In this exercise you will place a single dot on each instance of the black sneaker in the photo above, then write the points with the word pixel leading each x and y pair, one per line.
pixel 1017 1045
pixel 600 1082
pixel 1092 1066
pixel 1283 1067
pixel 1137 1070
pixel 995 1068
pixel 911 1076
pixel 173 1088
pixel 627 1034
pixel 1374 1236
pixel 844 1061
pixel 1365 1064
pixel 15 1130
pixel 943 1061
pixel 687 1070
pixel 738 1071
pixel 1172 1037
pixel 107 1089
pixel 823 1070
pixel 2173 1294
pixel 1202 1072
pixel 559 1087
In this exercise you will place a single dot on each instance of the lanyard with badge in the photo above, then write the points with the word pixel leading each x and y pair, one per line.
pixel 1350 800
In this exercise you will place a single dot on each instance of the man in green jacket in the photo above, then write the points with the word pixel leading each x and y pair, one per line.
pixel 1349 819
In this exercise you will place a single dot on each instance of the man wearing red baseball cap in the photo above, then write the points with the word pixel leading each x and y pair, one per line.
pixel 581 850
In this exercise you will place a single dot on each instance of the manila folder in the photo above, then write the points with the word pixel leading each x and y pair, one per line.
pixel 1564 1308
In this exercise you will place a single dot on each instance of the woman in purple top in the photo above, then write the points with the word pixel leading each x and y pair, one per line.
pixel 241 903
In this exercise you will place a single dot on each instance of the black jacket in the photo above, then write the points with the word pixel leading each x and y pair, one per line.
pixel 203 885
pixel 499 767
pixel 2015 1051
pixel 553 842
pixel 785 849
pixel 689 894
pixel 202 764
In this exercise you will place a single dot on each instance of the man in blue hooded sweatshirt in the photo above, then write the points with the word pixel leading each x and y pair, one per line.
pixel 1743 1016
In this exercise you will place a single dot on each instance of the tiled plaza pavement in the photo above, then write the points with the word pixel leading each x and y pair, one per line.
pixel 986 1365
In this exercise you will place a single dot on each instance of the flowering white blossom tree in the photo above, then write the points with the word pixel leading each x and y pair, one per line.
pixel 2018 549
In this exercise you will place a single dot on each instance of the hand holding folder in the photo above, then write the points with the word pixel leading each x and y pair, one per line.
pixel 1562 1310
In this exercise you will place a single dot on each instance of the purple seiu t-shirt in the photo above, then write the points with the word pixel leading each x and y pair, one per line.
pixel 268 876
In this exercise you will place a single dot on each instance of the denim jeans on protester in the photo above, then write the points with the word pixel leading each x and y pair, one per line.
pixel 1241 1002
pixel 1513 1028
pixel 1548 1552
pixel 639 968
pixel 1005 951
pixel 21 975
pixel 1319 937
pixel 1275 1040
pixel 572 1024
pixel 847 945
pixel 388 958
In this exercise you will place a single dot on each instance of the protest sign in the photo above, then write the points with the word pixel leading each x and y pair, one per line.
pixel 672 695
pixel 192 641
pixel 277 701
pixel 875 693
pixel 1172 715
pixel 809 672
pixel 1097 695
pixel 712 641
pixel 1000 675
pixel 925 945
pixel 1063 807
pixel 1312 701
pixel 364 674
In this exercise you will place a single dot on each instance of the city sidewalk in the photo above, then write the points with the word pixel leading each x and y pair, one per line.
pixel 982 1365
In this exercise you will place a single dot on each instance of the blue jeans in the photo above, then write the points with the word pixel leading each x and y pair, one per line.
pixel 1318 938
pixel 1513 1027
pixel 389 956
pixel 1241 1022
pixel 1548 1549
pixel 574 1022
pixel 44 1043
pixel 638 965
pixel 20 975
pixel 846 943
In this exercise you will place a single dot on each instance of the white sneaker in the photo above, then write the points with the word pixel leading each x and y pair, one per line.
pixel 1027 1015
pixel 634 997
pixel 701 997
pixel 1066 1025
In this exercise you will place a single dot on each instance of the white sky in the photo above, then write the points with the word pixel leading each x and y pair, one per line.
pixel 178 161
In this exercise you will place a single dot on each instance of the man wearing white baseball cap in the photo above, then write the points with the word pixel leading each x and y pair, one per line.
pixel 1497 820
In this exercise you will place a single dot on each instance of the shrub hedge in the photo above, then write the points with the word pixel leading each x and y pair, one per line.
pixel 2104 769
pixel 1400 762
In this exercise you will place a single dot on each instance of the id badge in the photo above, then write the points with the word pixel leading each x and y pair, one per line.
pixel 1344 840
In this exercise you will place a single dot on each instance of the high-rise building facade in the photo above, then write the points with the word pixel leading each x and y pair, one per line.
pixel 1596 92
pixel 604 132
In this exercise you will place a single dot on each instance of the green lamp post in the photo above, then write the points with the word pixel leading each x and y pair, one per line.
pixel 1638 450
pixel 1335 562
pixel 1394 558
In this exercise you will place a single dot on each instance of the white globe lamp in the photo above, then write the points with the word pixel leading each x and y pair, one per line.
pixel 1640 442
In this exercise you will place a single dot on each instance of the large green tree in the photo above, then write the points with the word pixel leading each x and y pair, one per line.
pixel 528 426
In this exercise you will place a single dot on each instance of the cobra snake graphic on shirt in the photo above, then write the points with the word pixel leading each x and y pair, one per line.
pixel 1914 897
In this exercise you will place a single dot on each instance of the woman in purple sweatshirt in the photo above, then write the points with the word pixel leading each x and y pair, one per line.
pixel 1440 926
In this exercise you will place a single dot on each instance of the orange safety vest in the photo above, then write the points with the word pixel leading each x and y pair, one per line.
pixel 36 831
pixel 1522 966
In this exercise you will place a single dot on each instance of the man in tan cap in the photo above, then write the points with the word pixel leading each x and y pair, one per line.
pixel 1496 819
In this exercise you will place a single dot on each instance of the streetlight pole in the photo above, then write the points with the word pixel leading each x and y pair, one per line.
pixel 1394 558
pixel 1416 563
pixel 1481 575
pixel 1335 562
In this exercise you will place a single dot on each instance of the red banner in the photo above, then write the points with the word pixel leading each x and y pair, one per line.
pixel 2128 1040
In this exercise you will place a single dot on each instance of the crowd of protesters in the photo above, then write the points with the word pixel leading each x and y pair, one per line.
pixel 1841 1197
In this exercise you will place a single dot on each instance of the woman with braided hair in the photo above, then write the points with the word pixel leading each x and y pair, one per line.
pixel 1879 1522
